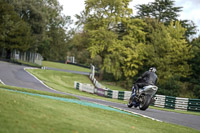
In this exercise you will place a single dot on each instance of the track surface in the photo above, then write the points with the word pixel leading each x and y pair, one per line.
pixel 15 75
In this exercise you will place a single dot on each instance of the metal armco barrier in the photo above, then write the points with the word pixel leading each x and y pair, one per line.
pixel 170 102
pixel 181 103
pixel 194 105
pixel 84 87
pixel 160 102
pixel 121 95
pixel 101 92
pixel 112 94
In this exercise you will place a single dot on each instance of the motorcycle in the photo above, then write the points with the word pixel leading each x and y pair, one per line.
pixel 143 98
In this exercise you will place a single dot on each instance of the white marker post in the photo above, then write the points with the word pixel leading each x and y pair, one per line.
pixel 92 71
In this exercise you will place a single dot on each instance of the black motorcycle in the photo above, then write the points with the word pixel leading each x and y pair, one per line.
pixel 143 98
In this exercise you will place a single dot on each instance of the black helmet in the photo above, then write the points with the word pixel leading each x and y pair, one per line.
pixel 152 69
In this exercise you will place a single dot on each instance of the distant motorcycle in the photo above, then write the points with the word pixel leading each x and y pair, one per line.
pixel 143 98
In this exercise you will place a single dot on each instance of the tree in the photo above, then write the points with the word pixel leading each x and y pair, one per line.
pixel 121 57
pixel 121 53
pixel 43 16
pixel 165 11
pixel 162 10
pixel 78 47
pixel 170 53
pixel 55 48
pixel 33 13
pixel 54 45
pixel 81 20
pixel 34 25
pixel 132 47
pixel 102 20
pixel 191 28
pixel 194 78
pixel 195 60
pixel 14 32
pixel 105 14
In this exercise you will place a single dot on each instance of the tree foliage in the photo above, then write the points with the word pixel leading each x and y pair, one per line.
pixel 34 25
pixel 195 61
pixel 170 52
pixel 14 33
pixel 121 54
pixel 162 10
pixel 165 11
pixel 78 47
pixel 31 13
pixel 105 14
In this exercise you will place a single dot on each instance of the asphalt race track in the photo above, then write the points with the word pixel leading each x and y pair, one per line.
pixel 15 75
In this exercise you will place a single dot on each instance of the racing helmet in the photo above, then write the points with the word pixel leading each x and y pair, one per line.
pixel 152 69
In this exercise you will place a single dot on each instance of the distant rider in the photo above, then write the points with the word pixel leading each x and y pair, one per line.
pixel 147 78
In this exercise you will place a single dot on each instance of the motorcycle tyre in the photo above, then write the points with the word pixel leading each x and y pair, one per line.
pixel 130 102
pixel 145 105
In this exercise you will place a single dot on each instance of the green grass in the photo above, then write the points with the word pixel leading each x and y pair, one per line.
pixel 36 91
pixel 26 63
pixel 24 113
pixel 64 66
pixel 112 86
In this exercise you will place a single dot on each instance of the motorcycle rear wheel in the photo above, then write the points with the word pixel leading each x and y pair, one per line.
pixel 144 102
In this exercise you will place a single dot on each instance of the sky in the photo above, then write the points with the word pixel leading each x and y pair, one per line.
pixel 190 10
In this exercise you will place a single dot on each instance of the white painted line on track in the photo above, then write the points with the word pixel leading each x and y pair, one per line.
pixel 139 114
pixel 132 112
pixel 37 78
pixel 2 82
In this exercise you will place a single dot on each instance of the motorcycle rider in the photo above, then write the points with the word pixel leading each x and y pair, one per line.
pixel 147 78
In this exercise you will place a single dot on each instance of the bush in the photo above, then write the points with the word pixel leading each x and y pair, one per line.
pixel 170 87
pixel 197 91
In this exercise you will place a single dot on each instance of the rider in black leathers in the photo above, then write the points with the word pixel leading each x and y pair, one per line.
pixel 148 78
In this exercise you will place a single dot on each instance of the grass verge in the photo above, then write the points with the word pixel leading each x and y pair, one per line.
pixel 63 81
pixel 36 91
pixel 24 113
pixel 25 63
pixel 65 66
pixel 112 86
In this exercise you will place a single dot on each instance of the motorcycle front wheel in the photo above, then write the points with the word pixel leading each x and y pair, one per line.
pixel 144 102
pixel 130 102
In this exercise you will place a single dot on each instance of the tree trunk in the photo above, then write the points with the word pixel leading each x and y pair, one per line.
pixel 101 74
pixel 8 54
